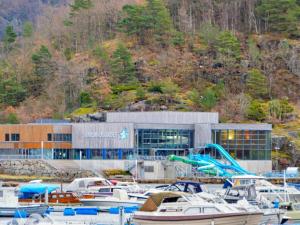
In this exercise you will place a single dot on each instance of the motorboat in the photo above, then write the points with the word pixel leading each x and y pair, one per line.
pixel 190 187
pixel 268 190
pixel 36 192
pixel 292 210
pixel 119 198
pixel 171 208
pixel 9 204
pixel 92 187
pixel 271 214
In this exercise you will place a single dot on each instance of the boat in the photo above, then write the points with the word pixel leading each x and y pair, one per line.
pixel 265 188
pixel 119 198
pixel 292 210
pixel 171 208
pixel 9 205
pixel 35 192
pixel 271 214
pixel 190 187
pixel 92 187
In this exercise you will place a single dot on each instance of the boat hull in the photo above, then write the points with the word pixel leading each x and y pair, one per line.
pixel 224 219
pixel 293 215
pixel 272 218
pixel 30 209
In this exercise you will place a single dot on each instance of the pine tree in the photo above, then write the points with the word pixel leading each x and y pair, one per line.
pixel 256 84
pixel 228 45
pixel 27 29
pixel 137 22
pixel 11 92
pixel 80 4
pixel 161 19
pixel 9 36
pixel 42 62
pixel 122 66
pixel 153 19
pixel 281 16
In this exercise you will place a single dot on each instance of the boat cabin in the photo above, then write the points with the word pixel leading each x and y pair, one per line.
pixel 182 186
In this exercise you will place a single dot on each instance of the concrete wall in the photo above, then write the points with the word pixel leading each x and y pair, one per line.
pixel 257 166
pixel 161 169
pixel 164 117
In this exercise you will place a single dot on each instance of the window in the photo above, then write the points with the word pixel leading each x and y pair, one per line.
pixel 61 137
pixel 7 137
pixel 245 144
pixel 15 137
pixel 149 169
pixel 49 137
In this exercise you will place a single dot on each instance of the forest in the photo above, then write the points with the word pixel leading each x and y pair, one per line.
pixel 63 59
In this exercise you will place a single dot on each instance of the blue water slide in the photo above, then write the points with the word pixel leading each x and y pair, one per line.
pixel 234 164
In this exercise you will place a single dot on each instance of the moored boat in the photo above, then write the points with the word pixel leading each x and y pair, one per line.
pixel 9 205
pixel 119 198
pixel 171 208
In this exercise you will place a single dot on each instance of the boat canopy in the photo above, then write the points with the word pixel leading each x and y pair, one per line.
pixel 154 201
pixel 38 188
pixel 80 184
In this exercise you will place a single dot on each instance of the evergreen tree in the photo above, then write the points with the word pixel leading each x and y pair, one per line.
pixel 42 62
pixel 11 92
pixel 12 119
pixel 27 29
pixel 122 66
pixel 281 16
pixel 256 84
pixel 160 18
pixel 9 36
pixel 85 99
pixel 154 18
pixel 228 45
pixel 137 22
pixel 209 99
pixel 80 4
pixel 256 111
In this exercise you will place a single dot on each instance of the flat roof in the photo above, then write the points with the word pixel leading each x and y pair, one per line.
pixel 242 126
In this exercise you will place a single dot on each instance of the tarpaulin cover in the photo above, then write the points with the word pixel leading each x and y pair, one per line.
pixel 38 188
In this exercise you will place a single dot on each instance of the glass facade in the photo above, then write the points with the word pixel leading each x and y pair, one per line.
pixel 163 142
pixel 60 137
pixel 90 154
pixel 245 144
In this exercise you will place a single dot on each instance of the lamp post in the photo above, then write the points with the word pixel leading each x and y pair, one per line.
pixel 277 163
pixel 80 157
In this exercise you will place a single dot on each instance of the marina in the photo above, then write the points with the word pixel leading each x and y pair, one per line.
pixel 183 202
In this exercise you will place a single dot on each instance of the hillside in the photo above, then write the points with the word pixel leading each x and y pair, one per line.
pixel 17 12
pixel 240 58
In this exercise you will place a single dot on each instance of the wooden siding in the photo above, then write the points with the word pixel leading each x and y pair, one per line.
pixel 33 136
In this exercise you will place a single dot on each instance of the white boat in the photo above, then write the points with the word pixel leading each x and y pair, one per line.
pixel 271 215
pixel 99 187
pixel 268 190
pixel 119 198
pixel 9 204
pixel 171 208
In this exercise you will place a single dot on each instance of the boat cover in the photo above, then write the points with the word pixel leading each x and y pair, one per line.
pixel 154 201
pixel 37 188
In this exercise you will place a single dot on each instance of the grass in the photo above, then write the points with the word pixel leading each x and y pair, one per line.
pixel 24 178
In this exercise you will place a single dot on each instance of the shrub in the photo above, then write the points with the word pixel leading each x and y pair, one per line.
pixel 256 111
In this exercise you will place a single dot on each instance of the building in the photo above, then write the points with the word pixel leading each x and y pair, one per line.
pixel 142 135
